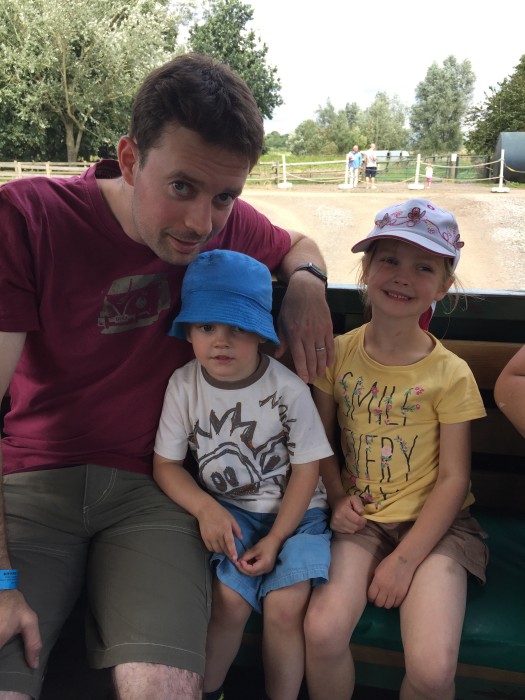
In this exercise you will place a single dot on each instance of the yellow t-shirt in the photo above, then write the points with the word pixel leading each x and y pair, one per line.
pixel 389 419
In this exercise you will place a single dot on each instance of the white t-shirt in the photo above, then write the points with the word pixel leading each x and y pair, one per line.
pixel 244 435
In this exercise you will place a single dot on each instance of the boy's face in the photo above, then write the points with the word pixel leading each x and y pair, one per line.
pixel 227 353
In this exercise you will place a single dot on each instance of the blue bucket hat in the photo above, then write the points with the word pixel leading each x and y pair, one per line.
pixel 222 286
pixel 419 222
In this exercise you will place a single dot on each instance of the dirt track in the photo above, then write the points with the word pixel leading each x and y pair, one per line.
pixel 492 224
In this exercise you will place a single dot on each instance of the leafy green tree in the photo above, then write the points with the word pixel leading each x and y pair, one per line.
pixel 502 110
pixel 383 123
pixel 69 70
pixel 274 141
pixel 223 35
pixel 442 101
pixel 308 138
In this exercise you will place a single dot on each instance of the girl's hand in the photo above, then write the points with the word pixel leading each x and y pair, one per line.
pixel 218 527
pixel 260 559
pixel 347 515
pixel 392 579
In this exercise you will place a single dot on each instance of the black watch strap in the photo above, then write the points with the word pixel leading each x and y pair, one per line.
pixel 314 270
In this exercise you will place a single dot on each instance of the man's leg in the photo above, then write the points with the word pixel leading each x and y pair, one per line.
pixel 48 546
pixel 148 589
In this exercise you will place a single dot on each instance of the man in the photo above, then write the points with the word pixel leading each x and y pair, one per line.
pixel 90 276
pixel 371 167
pixel 355 161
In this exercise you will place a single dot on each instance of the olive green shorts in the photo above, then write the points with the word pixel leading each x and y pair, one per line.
pixel 139 556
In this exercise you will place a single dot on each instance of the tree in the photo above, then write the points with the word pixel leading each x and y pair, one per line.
pixel 383 123
pixel 223 35
pixel 69 70
pixel 502 110
pixel 308 138
pixel 442 100
pixel 274 141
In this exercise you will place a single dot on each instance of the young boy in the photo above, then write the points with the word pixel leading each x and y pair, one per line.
pixel 257 438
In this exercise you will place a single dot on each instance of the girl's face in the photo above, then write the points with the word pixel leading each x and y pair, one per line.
pixel 403 280
pixel 228 353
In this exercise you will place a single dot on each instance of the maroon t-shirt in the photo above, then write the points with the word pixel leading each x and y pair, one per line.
pixel 96 307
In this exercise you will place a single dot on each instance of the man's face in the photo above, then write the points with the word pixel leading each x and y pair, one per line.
pixel 183 194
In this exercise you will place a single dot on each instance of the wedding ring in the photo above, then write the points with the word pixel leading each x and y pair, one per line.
pixel 320 349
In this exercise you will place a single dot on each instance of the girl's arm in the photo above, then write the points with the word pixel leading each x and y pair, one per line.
pixel 347 511
pixel 393 576
pixel 260 559
pixel 216 524
pixel 509 390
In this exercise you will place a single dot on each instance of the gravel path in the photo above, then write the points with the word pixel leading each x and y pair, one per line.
pixel 492 224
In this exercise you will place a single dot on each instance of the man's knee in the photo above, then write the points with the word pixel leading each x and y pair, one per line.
pixel 145 681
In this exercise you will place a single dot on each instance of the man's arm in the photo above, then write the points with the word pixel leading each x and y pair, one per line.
pixel 16 617
pixel 304 321
pixel 509 390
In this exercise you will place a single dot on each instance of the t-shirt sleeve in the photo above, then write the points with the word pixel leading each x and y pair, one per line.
pixel 250 232
pixel 307 439
pixel 462 400
pixel 171 440
pixel 18 299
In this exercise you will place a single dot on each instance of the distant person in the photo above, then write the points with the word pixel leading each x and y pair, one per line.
pixel 429 172
pixel 370 159
pixel 355 161
pixel 403 533
pixel 257 438
pixel 509 390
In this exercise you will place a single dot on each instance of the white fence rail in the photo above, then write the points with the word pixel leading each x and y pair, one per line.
pixel 16 169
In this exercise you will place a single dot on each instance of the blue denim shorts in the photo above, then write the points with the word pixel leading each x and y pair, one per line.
pixel 304 555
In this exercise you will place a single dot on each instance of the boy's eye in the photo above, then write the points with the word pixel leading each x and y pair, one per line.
pixel 236 329
pixel 206 327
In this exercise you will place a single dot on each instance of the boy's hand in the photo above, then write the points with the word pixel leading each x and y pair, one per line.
pixel 218 527
pixel 347 515
pixel 260 559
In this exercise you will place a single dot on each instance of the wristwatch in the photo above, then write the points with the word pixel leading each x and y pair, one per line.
pixel 314 270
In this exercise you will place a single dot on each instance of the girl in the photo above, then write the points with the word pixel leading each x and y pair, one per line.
pixel 403 535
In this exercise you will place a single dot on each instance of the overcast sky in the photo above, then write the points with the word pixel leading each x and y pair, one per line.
pixel 330 50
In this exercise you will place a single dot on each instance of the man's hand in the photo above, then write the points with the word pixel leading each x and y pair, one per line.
pixel 305 324
pixel 16 617
pixel 218 527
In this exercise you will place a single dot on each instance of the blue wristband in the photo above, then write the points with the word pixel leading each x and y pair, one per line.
pixel 8 579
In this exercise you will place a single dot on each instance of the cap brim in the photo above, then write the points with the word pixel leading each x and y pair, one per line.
pixel 405 237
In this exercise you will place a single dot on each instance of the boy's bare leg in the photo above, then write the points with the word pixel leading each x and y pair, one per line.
pixel 283 640
pixel 229 615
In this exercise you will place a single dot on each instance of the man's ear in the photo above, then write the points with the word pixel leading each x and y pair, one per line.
pixel 128 158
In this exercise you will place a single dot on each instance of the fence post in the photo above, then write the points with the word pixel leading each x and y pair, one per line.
pixel 416 185
pixel 18 169
pixel 345 185
pixel 284 184
pixel 500 187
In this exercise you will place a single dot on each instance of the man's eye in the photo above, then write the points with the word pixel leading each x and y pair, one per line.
pixel 225 198
pixel 179 187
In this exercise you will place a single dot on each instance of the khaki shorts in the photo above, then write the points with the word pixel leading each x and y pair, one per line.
pixel 463 541
pixel 141 557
